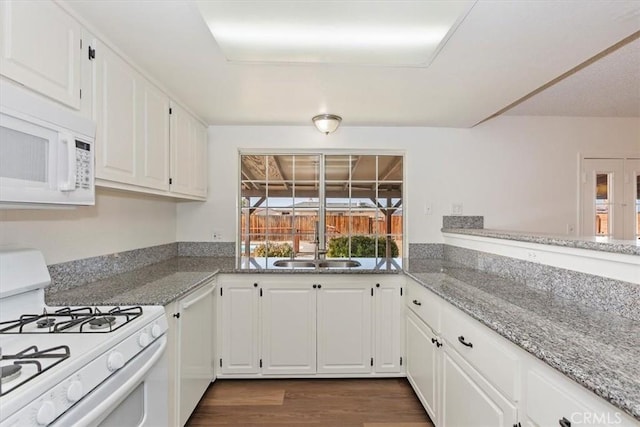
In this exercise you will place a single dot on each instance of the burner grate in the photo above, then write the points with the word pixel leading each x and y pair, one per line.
pixel 32 356
pixel 67 319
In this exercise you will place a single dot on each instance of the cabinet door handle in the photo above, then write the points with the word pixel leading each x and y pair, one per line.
pixel 433 340
pixel 463 342
pixel 319 286
pixel 176 315
pixel 416 302
pixel 315 286
pixel 564 422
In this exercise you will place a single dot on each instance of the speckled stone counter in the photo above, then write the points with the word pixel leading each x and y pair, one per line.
pixel 166 281
pixel 604 244
pixel 597 349
pixel 156 284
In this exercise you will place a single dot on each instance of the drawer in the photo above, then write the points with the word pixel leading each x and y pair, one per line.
pixel 485 350
pixel 426 304
pixel 547 403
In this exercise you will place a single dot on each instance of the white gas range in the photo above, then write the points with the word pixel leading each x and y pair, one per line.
pixel 66 366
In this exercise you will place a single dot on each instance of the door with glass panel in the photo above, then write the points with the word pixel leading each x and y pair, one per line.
pixel 611 198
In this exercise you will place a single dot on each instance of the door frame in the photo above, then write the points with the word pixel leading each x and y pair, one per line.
pixel 594 155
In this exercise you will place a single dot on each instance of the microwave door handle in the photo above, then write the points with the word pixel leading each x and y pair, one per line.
pixel 70 183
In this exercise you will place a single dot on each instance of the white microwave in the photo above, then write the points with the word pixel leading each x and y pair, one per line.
pixel 46 152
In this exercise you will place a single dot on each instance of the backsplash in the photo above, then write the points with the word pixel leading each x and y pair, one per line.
pixel 622 298
pixel 80 272
pixel 462 221
pixel 426 250
pixel 74 273
pixel 223 249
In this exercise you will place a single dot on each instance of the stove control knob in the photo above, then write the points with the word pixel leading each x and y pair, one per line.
pixel 115 361
pixel 156 331
pixel 46 414
pixel 143 339
pixel 74 391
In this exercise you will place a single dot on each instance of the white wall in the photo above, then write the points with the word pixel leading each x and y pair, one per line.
pixel 521 173
pixel 118 222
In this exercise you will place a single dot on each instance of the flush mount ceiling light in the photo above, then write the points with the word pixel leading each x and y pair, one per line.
pixel 327 123
pixel 388 33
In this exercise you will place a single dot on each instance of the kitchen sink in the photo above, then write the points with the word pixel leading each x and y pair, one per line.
pixel 338 263
pixel 316 263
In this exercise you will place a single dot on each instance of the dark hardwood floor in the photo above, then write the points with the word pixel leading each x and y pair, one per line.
pixel 315 402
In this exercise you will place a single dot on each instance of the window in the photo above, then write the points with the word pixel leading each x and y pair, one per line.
pixel 306 205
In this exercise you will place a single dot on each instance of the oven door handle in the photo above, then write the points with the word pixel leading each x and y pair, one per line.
pixel 92 417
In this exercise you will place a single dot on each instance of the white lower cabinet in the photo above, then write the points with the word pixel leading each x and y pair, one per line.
pixel 467 375
pixel 191 351
pixel 344 328
pixel 453 392
pixel 468 399
pixel 288 329
pixel 423 364
pixel 238 331
pixel 301 325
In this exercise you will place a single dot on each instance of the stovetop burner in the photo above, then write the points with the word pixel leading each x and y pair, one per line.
pixel 102 322
pixel 10 373
pixel 37 361
pixel 45 323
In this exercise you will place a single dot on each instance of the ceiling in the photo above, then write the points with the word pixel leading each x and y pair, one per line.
pixel 501 52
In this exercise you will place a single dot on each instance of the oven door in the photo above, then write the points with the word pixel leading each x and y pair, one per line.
pixel 135 395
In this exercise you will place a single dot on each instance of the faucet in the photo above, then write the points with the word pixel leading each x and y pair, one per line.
pixel 316 242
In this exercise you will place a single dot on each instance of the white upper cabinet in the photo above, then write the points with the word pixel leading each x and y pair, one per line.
pixel 139 145
pixel 41 49
pixel 188 154
pixel 115 89
pixel 133 125
pixel 153 143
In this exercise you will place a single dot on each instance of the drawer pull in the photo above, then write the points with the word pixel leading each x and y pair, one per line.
pixel 416 302
pixel 564 422
pixel 463 342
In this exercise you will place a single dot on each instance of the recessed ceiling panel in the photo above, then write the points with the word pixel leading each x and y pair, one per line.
pixel 391 33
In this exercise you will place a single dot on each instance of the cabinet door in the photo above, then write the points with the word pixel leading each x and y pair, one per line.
pixel 423 358
pixel 195 348
pixel 115 92
pixel 288 329
pixel 388 327
pixel 344 328
pixel 468 399
pixel 199 179
pixel 239 329
pixel 188 154
pixel 41 49
pixel 153 138
pixel 181 150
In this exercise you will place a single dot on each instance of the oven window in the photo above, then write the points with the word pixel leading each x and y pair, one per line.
pixel 130 412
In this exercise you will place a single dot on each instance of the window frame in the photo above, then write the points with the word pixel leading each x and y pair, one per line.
pixel 322 211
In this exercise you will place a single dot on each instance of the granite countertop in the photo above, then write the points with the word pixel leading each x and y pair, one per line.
pixel 603 244
pixel 167 281
pixel 597 349
pixel 156 284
